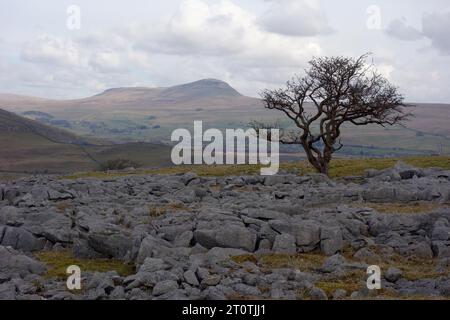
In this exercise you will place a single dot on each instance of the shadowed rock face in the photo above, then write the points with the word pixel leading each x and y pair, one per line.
pixel 182 230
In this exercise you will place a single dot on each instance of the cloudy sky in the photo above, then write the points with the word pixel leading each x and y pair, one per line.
pixel 69 49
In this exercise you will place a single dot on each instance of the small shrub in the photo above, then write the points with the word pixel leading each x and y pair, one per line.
pixel 118 164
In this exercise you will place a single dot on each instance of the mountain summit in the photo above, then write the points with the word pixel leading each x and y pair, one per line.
pixel 202 89
pixel 197 90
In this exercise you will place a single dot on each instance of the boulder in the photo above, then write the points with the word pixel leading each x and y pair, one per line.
pixel 285 243
pixel 263 214
pixel 217 254
pixel 10 215
pixel 406 171
pixel 191 278
pixel 333 263
pixel 164 287
pixel 184 239
pixel 189 177
pixel 339 294
pixel 8 291
pixel 20 239
pixel 116 245
pixel 276 179
pixel 306 232
pixel 11 194
pixel 153 264
pixel 101 285
pixel 393 274
pixel 441 231
pixel 317 294
pixel 441 249
pixel 155 247
pixel 212 280
pixel 331 241
pixel 13 262
pixel 229 237
pixel 55 195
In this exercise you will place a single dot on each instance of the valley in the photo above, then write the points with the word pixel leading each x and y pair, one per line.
pixel 151 114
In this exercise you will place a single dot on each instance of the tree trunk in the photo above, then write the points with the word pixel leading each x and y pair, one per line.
pixel 311 158
pixel 325 168
pixel 326 159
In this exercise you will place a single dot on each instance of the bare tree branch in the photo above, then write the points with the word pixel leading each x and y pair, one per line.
pixel 334 91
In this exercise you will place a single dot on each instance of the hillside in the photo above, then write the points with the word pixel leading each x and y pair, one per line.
pixel 29 146
pixel 11 124
pixel 151 114
pixel 208 92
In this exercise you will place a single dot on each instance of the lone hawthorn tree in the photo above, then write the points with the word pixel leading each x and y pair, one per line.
pixel 334 91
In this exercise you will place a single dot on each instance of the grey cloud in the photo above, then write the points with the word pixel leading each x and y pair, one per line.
pixel 400 30
pixel 436 27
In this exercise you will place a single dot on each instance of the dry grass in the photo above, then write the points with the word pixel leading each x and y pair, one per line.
pixel 245 258
pixel 303 262
pixel 58 261
pixel 157 211
pixel 418 207
pixel 413 269
pixel 352 281
pixel 338 168
pixel 62 206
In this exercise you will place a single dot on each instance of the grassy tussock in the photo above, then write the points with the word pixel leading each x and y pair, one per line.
pixel 58 261
pixel 419 207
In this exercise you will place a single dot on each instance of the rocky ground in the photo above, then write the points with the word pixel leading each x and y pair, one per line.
pixel 243 237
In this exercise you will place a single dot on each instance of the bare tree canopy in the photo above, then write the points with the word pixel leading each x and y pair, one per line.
pixel 341 90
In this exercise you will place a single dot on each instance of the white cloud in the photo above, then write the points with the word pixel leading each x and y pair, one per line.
pixel 140 58
pixel 295 18
pixel 106 61
pixel 251 44
pixel 49 49
pixel 201 39
pixel 386 70
pixel 222 29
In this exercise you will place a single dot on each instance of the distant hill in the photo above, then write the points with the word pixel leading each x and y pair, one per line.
pixel 32 147
pixel 198 90
pixel 144 114
pixel 210 93
pixel 151 114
